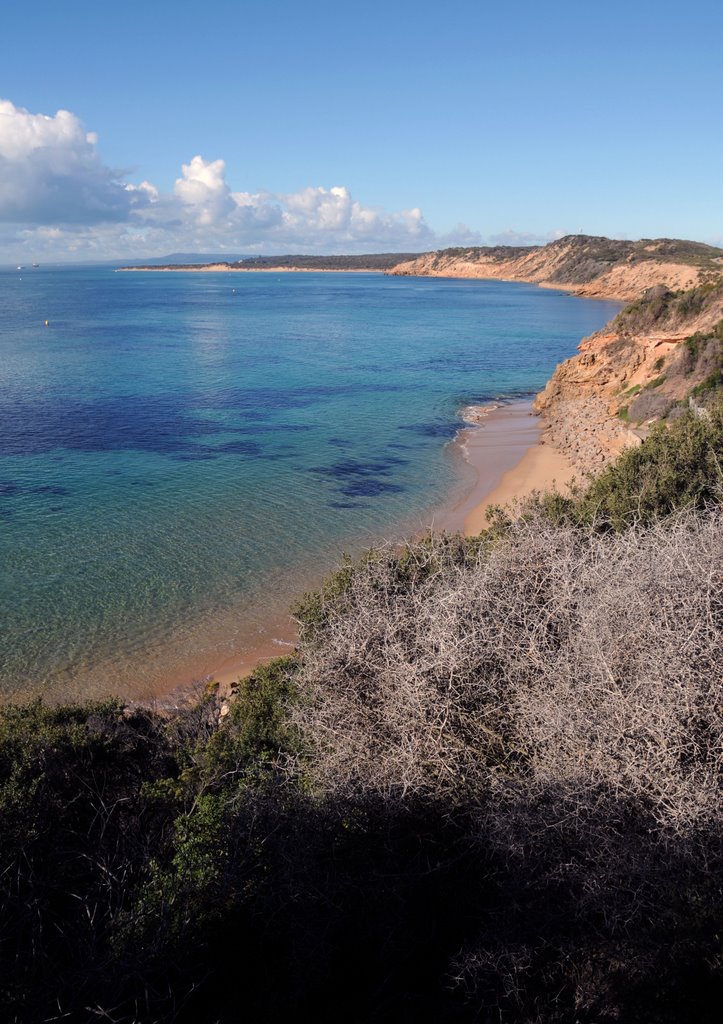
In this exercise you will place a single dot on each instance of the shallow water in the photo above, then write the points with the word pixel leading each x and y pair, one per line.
pixel 181 453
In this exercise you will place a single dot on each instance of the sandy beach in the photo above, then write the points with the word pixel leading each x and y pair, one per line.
pixel 540 468
pixel 505 449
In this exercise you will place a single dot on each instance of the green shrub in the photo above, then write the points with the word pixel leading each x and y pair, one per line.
pixel 677 466
pixel 710 383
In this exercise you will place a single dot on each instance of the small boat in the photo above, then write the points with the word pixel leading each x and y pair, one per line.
pixel 35 266
pixel 21 268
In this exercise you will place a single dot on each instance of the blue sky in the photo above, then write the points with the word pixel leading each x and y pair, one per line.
pixel 526 120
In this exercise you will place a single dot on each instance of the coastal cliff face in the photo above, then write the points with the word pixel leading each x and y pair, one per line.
pixel 660 353
pixel 584 265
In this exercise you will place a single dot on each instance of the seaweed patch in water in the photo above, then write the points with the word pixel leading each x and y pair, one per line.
pixel 447 430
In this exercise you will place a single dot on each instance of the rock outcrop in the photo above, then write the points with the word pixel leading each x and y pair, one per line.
pixel 653 355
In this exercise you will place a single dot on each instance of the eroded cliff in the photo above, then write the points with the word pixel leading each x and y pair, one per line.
pixel 660 353
pixel 583 264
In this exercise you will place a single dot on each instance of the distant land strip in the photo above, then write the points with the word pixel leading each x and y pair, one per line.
pixel 587 265
pixel 378 262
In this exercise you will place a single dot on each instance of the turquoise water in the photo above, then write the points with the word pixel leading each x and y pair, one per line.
pixel 180 453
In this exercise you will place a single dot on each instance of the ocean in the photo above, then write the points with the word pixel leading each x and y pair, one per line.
pixel 182 454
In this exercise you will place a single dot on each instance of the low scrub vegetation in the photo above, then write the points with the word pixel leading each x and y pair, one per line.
pixel 660 308
pixel 485 788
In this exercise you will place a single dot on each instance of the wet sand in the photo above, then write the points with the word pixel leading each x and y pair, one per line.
pixel 511 431
pixel 505 450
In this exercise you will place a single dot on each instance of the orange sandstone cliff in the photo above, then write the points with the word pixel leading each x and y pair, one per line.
pixel 583 264
pixel 662 351
pixel 658 354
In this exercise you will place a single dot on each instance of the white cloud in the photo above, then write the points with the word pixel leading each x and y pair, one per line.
pixel 51 173
pixel 203 190
pixel 57 197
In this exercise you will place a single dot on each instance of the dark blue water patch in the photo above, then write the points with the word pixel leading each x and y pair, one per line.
pixel 11 488
pixel 363 479
pixel 56 508
pixel 256 403
pixel 278 456
pixel 142 483
pixel 446 430
pixel 235 448
pixel 370 488
pixel 351 468
pixel 138 423
pixel 250 414
pixel 193 455
pixel 347 504
pixel 339 442
pixel 199 453
pixel 54 489
pixel 163 424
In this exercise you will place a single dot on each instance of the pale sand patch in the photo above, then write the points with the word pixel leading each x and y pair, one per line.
pixel 510 459
pixel 541 468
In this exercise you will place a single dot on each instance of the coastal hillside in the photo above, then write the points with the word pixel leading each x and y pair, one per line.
pixel 662 354
pixel 583 264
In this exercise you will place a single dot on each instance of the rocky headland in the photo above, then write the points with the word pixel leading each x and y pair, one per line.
pixel 587 265
pixel 661 353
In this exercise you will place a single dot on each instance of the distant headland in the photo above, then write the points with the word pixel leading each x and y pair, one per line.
pixel 370 262
pixel 587 265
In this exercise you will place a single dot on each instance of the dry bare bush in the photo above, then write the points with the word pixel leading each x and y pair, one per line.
pixel 565 688
pixel 554 655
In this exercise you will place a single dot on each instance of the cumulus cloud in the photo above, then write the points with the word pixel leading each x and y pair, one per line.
pixel 50 172
pixel 335 212
pixel 204 192
pixel 57 197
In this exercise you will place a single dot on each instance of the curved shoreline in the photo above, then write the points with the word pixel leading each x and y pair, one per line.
pixel 507 431
pixel 503 446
